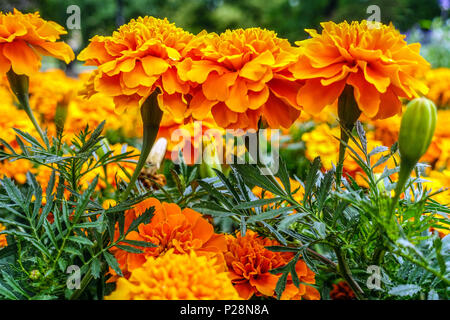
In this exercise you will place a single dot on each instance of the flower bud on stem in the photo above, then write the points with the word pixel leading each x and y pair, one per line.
pixel 416 131
pixel 348 113
pixel 19 86
pixel 151 117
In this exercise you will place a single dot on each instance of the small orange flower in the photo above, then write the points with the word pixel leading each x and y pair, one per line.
pixel 372 58
pixel 342 291
pixel 176 277
pixel 3 242
pixel 137 58
pixel 170 228
pixel 241 75
pixel 24 36
pixel 249 263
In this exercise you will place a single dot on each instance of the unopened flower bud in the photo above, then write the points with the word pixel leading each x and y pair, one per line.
pixel 416 129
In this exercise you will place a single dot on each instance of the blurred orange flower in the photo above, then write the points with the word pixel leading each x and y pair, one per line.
pixel 170 228
pixel 372 58
pixel 249 263
pixel 176 277
pixel 242 75
pixel 3 242
pixel 24 36
pixel 137 58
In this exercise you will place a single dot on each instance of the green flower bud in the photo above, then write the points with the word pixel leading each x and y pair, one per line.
pixel 35 274
pixel 416 129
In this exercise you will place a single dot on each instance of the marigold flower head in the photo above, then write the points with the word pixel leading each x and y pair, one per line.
pixel 241 75
pixel 24 36
pixel 3 242
pixel 176 277
pixel 170 228
pixel 249 263
pixel 372 58
pixel 137 58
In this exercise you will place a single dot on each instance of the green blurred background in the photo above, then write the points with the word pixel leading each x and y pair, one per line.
pixel 288 18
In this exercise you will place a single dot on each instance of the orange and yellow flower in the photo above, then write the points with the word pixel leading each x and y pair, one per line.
pixel 170 228
pixel 187 137
pixel 24 36
pixel 438 80
pixel 239 76
pixel 176 277
pixel 249 263
pixel 372 58
pixel 137 58
pixel 3 242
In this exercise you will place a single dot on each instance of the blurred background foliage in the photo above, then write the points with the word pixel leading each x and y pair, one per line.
pixel 423 20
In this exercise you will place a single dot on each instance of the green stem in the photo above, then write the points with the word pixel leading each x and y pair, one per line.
pixel 405 171
pixel 151 118
pixel 347 274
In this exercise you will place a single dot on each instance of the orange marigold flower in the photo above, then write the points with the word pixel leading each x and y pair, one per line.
pixel 241 75
pixel 3 242
pixel 342 291
pixel 170 228
pixel 24 36
pixel 137 58
pixel 249 263
pixel 372 58
pixel 176 277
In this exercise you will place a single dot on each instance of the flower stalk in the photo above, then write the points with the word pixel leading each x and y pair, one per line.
pixel 151 117
pixel 19 86
pixel 416 132
pixel 348 113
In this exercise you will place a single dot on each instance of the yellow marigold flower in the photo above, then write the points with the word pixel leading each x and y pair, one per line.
pixel 438 80
pixel 249 263
pixel 49 90
pixel 321 142
pixel 24 36
pixel 373 59
pixel 241 76
pixel 114 172
pixel 137 58
pixel 3 242
pixel 176 277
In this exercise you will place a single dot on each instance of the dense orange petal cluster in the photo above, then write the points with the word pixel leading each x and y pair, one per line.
pixel 24 36
pixel 372 58
pixel 176 277
pixel 249 263
pixel 239 76
pixel 137 58
pixel 170 228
